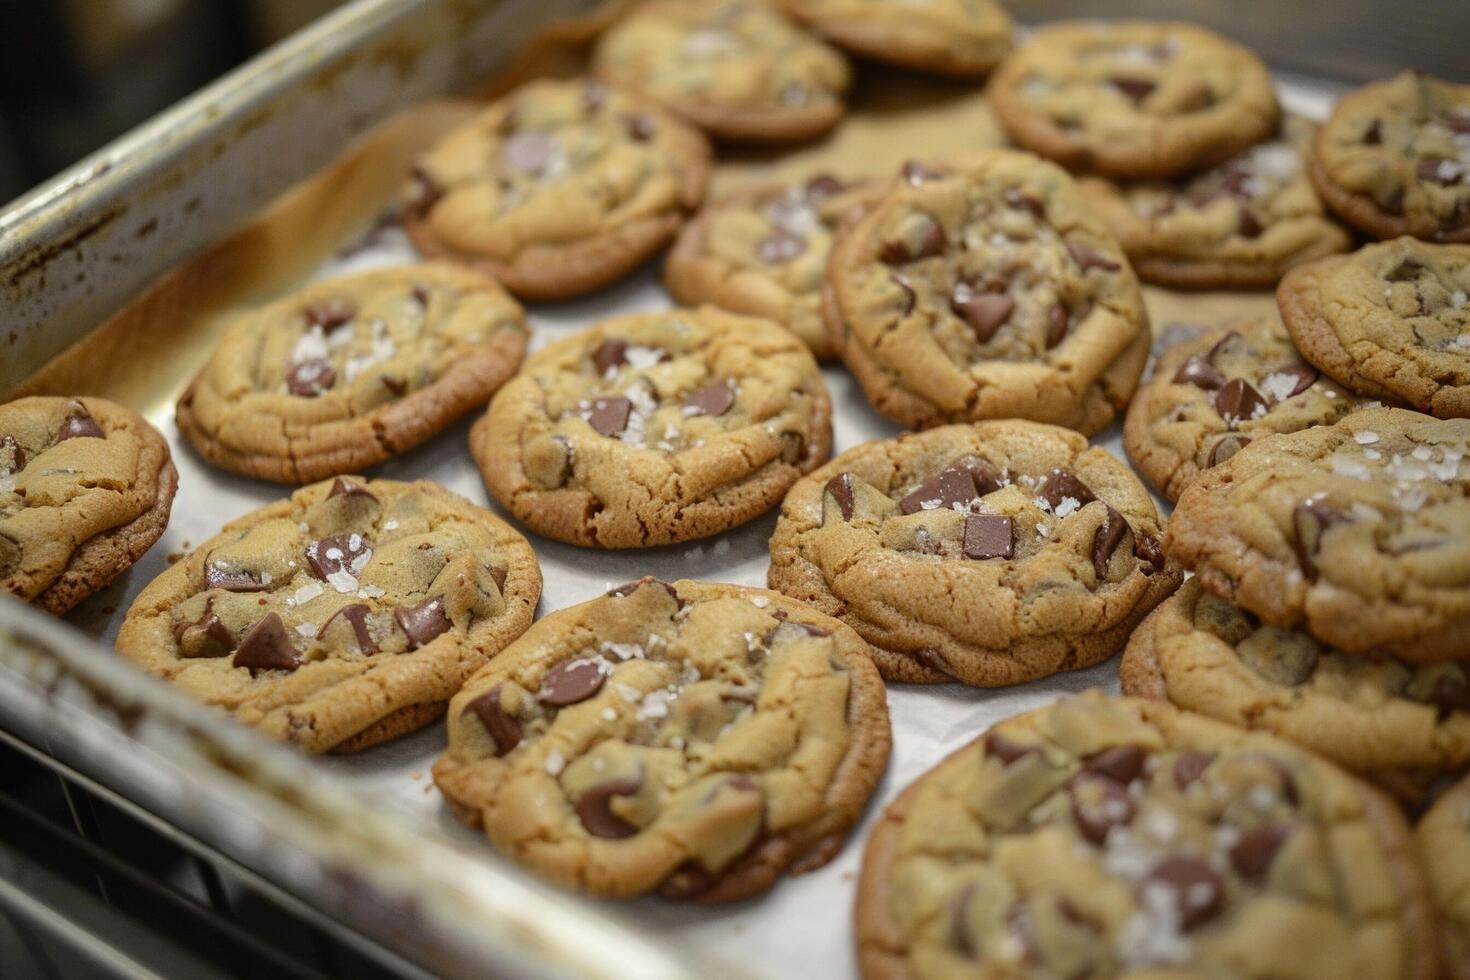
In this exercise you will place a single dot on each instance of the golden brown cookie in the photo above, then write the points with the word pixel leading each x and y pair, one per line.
pixel 1444 843
pixel 694 739
pixel 991 553
pixel 763 252
pixel 1239 225
pixel 1394 158
pixel 984 288
pixel 340 617
pixel 654 428
pixel 1214 393
pixel 1358 533
pixel 1391 320
pixel 1108 837
pixel 85 489
pixel 963 38
pixel 346 373
pixel 1401 725
pixel 557 189
pixel 738 69
pixel 1134 99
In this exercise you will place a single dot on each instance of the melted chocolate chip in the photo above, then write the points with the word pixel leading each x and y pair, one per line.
pixel 1088 257
pixel 1438 170
pixel 714 399
pixel 610 415
pixel 1247 223
pixel 1147 549
pixel 420 294
pixel 1253 853
pixel 1237 401
pixel 931 243
pixel 1109 535
pixel 1098 805
pixel 206 637
pixel 337 553
pixel 903 283
pixel 1136 89
pixel 345 488
pixel 1450 693
pixel 610 354
pixel 79 425
pixel 1303 377
pixel 1198 371
pixel 1121 763
pixel 823 186
pixel 1310 521
pixel 1198 891
pixel 780 246
pixel 1024 202
pixel 1190 766
pixel 422 622
pixel 916 173
pixel 265 646
pixel 984 312
pixel 310 377
pixel 989 536
pixel 504 729
pixel 423 192
pixel 231 580
pixel 1227 446
pixel 356 615
pixel 595 812
pixel 840 487
pixel 1373 136
pixel 571 681
pixel 395 385
pixel 628 588
pixel 1005 749
pixel 959 483
pixel 1058 322
pixel 1061 484
pixel 641 127
pixel 1457 120
pixel 934 660
pixel 329 314
pixel 528 152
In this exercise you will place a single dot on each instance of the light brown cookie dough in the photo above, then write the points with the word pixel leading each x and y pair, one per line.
pixel 557 189
pixel 1394 158
pixel 739 70
pixel 654 428
pixel 346 373
pixel 763 252
pixel 984 288
pixel 340 617
pixel 1107 837
pixel 1134 99
pixel 1214 393
pixel 85 489
pixel 990 554
pixel 1398 724
pixel 963 38
pixel 1444 843
pixel 1391 320
pixel 695 740
pixel 1358 533
pixel 1239 225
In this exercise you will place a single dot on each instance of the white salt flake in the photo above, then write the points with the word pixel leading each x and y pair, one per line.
pixel 307 630
pixel 1068 506
pixel 342 580
pixel 306 593
pixel 759 601
pixel 1366 437
pixel 555 763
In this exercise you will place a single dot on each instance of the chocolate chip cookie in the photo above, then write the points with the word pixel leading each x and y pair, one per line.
pixel 1399 724
pixel 85 489
pixel 963 38
pixel 1391 320
pixel 763 251
pixel 739 70
pixel 341 617
pixel 1239 225
pixel 346 373
pixel 1354 532
pixel 985 288
pixel 990 554
pixel 1214 393
pixel 695 740
pixel 1134 99
pixel 1444 842
pixel 1103 837
pixel 557 189
pixel 654 428
pixel 1394 158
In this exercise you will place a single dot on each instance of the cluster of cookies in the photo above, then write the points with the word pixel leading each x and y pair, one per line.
pixel 1233 815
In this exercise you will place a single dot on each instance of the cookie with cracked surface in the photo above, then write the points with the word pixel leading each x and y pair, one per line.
pixel 1134 99
pixel 1401 725
pixel 1355 532
pixel 1391 320
pixel 1239 225
pixel 990 554
pixel 340 617
pixel 696 740
pixel 1444 843
pixel 763 252
pixel 736 69
pixel 558 188
pixel 985 288
pixel 85 489
pixel 1110 837
pixel 1394 158
pixel 962 38
pixel 1215 392
pixel 346 373
pixel 655 428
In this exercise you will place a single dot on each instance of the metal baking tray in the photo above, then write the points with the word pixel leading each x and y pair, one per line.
pixel 117 273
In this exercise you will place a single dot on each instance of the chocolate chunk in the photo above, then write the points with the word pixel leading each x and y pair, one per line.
pixel 1198 371
pixel 1005 749
pixel 1373 136
pixel 423 192
pixel 780 246
pixel 1061 484
pixel 528 152
pixel 1024 202
pixel 356 615
pixel 610 415
pixel 1450 693
pixel 1439 170
pixel 1088 257
pixel 1198 891
pixel 1109 535
pixel 571 681
pixel 1058 321
pixel 916 173
pixel 344 488
pixel 960 935
pixel 1406 271
pixel 840 487
pixel 641 127
pixel 395 385
pixel 596 814
pixel 1098 805
pixel 12 456
pixel 1227 446
pixel 1309 521
pixel 1121 763
pixel 1253 853
pixel 1136 89
pixel 609 354
pixel 338 553
pixel 206 637
pixel 231 580
pixel 420 294
pixel 1190 766
pixel 265 646
pixel 823 186
pixel 984 312
pixel 329 314
pixel 959 483
pixel 422 622
pixel 628 588
pixel 1247 224
pixel 1237 401
pixel 903 283
pixel 933 659
pixel 989 536
pixel 497 575
pixel 931 242
pixel 1225 343
pixel 1147 549
pixel 504 729
pixel 78 425
pixel 1303 377
pixel 310 377
pixel 714 399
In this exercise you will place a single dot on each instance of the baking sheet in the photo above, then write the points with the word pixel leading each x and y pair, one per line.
pixel 144 356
